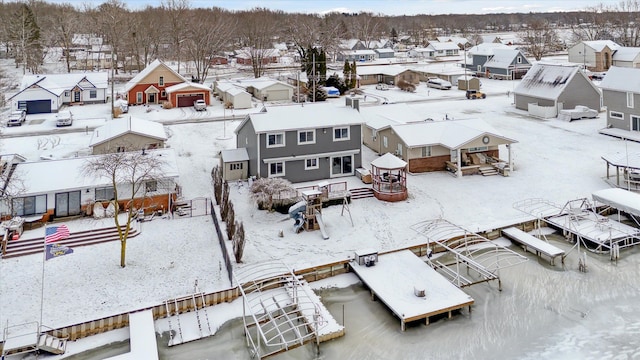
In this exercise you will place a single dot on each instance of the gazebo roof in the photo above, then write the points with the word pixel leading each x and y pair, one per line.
pixel 389 161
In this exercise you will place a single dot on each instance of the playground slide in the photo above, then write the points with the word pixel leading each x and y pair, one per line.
pixel 297 227
pixel 321 224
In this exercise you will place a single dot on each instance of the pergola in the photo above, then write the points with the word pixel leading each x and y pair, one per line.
pixel 389 178
pixel 630 165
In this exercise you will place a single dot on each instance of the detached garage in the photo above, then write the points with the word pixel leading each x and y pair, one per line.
pixel 184 94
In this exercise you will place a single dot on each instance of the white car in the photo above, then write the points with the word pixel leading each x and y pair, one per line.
pixel 64 118
pixel 17 118
pixel 382 87
pixel 579 112
pixel 437 83
pixel 200 105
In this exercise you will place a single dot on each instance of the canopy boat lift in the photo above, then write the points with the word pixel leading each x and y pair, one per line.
pixel 470 251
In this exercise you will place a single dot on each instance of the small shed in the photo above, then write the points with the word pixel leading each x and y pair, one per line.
pixel 389 178
pixel 235 164
pixel 468 83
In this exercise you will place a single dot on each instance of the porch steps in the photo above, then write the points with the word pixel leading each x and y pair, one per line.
pixel 22 247
pixel 361 193
pixel 52 344
pixel 488 171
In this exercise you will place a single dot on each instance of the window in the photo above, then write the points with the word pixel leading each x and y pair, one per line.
pixel 163 94
pixel 374 135
pixel 93 94
pixel 616 115
pixel 385 142
pixel 105 193
pixel 311 164
pixel 399 150
pixel 635 123
pixel 30 205
pixel 479 68
pixel 426 151
pixel 276 169
pixel 478 149
pixel 519 60
pixel 67 93
pixel 275 140
pixel 151 186
pixel 342 165
pixel 340 134
pixel 161 81
pixel 139 97
pixel 630 100
pixel 235 166
pixel 121 149
pixel 306 137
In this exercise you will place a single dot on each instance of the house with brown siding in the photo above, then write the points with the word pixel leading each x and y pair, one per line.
pixel 388 74
pixel 460 146
pixel 595 55
pixel 149 86
pixel 184 94
pixel 379 118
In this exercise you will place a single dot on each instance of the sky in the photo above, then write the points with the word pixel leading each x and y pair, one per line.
pixel 396 7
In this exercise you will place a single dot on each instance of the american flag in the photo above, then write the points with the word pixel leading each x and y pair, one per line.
pixel 55 233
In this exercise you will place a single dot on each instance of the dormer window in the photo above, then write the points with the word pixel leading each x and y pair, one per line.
pixel 161 81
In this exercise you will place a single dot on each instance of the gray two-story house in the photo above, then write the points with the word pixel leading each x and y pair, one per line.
pixel 302 143
pixel 621 96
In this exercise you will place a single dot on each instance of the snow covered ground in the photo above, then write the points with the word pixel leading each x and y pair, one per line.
pixel 554 160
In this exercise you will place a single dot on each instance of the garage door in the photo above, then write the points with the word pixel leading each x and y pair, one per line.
pixel 36 106
pixel 278 95
pixel 187 100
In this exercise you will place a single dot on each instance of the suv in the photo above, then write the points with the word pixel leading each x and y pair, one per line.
pixel 438 83
pixel 200 105
pixel 64 118
pixel 16 118
pixel 382 86
pixel 476 94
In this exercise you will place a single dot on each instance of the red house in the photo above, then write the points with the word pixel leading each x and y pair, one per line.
pixel 149 86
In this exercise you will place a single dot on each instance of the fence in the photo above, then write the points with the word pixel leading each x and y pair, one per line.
pixel 194 207
pixel 297 192
pixel 223 246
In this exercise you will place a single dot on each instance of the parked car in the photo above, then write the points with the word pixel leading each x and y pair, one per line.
pixel 437 83
pixel 64 118
pixel 17 118
pixel 475 94
pixel 382 87
pixel 579 112
pixel 200 105
pixel 122 104
pixel 598 75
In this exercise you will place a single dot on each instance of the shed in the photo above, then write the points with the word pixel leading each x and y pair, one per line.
pixel 468 83
pixel 235 164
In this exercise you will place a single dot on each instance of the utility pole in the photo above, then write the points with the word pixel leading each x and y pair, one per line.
pixel 113 114
pixel 313 73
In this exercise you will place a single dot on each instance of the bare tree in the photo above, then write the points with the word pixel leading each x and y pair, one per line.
pixel 63 24
pixel 111 18
pixel 24 34
pixel 592 25
pixel 626 24
pixel 257 30
pixel 367 28
pixel 209 32
pixel 11 182
pixel 128 172
pixel 264 189
pixel 539 38
pixel 177 14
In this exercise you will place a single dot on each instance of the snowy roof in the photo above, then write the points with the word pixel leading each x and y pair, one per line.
pixel 599 45
pixel 265 53
pixel 348 44
pixel 622 79
pixel 487 48
pixel 148 70
pixel 453 39
pixel 391 70
pixel 234 155
pixel 380 117
pixel 389 161
pixel 358 52
pixel 58 83
pixel 546 81
pixel 627 160
pixel 67 174
pixel 384 50
pixel 310 116
pixel 451 133
pixel 260 83
pixel 440 46
pixel 502 58
pixel 120 126
pixel 620 199
pixel 626 53
pixel 186 85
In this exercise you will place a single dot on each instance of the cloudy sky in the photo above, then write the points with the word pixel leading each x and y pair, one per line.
pixel 387 7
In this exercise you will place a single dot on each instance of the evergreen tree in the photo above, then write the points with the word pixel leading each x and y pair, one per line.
pixel 24 33
pixel 315 64
pixel 354 75
pixel 394 35
pixel 346 72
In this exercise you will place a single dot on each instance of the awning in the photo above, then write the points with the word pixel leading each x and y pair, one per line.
pixel 620 199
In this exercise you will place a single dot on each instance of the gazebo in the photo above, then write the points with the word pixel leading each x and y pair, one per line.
pixel 628 165
pixel 389 178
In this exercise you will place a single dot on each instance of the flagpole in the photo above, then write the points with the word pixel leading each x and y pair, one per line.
pixel 44 259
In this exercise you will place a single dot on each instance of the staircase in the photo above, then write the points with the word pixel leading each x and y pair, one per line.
pixel 488 170
pixel 52 344
pixel 23 247
pixel 361 193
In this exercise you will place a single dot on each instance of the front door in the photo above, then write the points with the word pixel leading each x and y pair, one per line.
pixel 76 96
pixel 152 98
pixel 67 204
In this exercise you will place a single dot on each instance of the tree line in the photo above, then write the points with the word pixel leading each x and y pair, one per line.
pixel 176 31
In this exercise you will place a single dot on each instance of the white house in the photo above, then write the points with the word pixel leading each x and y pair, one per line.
pixel 627 57
pixel 47 93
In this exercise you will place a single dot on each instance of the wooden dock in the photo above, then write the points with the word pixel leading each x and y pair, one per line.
pixel 398 277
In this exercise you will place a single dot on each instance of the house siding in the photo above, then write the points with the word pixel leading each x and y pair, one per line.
pixel 617 101
pixel 579 91
pixel 246 138
pixel 131 141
